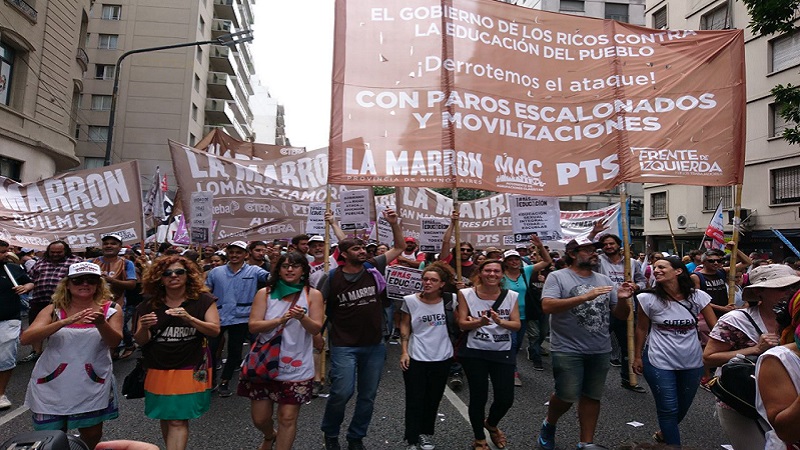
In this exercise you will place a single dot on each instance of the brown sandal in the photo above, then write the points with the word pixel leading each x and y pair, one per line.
pixel 269 442
pixel 497 436
pixel 478 445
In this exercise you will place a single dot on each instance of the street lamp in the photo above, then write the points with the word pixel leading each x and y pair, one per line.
pixel 228 40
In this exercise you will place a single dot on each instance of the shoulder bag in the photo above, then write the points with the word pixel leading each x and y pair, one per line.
pixel 263 360
pixel 133 384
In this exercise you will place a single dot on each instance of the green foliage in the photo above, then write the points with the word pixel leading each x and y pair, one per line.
pixel 788 97
pixel 464 194
pixel 382 190
pixel 772 16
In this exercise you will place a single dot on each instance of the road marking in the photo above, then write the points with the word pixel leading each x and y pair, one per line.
pixel 461 408
pixel 12 415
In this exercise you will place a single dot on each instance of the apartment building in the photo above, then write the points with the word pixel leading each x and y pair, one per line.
pixel 771 193
pixel 629 11
pixel 179 94
pixel 42 65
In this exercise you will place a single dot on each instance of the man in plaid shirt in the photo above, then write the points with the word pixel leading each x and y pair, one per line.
pixel 46 274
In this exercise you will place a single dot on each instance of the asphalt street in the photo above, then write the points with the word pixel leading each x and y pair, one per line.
pixel 227 425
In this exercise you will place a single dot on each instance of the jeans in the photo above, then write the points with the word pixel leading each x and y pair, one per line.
pixel 479 371
pixel 349 364
pixel 424 382
pixel 237 335
pixel 516 340
pixel 537 330
pixel 674 392
pixel 128 312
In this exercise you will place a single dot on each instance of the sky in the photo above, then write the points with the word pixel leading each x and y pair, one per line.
pixel 293 50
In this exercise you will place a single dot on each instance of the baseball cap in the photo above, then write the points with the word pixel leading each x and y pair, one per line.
pixel 83 268
pixel 580 242
pixel 410 239
pixel 112 236
pixel 521 245
pixel 317 238
pixel 371 244
pixel 511 253
pixel 240 244
pixel 772 276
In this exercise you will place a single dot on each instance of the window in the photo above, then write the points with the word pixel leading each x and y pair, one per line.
pixel 784 52
pixel 90 162
pixel 86 42
pixel 199 54
pixel 192 139
pixel 194 112
pixel 785 185
pixel 718 19
pixel 201 25
pixel 196 83
pixel 571 6
pixel 6 70
pixel 11 168
pixel 101 102
pixel 617 11
pixel 776 123
pixel 104 71
pixel 660 19
pixel 658 205
pixel 112 12
pixel 107 41
pixel 77 131
pixel 98 134
pixel 712 194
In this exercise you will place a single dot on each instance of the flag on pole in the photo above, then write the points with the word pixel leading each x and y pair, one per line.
pixel 154 200
pixel 158 202
pixel 715 230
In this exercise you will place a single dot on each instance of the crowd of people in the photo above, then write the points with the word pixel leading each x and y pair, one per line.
pixel 189 311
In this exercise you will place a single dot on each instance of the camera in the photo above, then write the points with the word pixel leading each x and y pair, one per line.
pixel 44 440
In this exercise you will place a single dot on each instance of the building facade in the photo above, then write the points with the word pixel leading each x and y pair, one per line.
pixel 179 94
pixel 42 66
pixel 771 193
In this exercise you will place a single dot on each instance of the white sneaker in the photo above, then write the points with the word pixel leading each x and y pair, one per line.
pixel 5 403
pixel 425 442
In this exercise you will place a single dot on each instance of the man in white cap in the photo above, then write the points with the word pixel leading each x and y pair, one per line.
pixel 13 282
pixel 234 285
pixel 120 274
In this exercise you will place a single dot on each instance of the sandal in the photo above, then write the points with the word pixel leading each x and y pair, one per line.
pixel 659 437
pixel 480 445
pixel 269 442
pixel 497 436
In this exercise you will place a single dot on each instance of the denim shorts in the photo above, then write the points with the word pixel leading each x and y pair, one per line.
pixel 578 375
pixel 9 340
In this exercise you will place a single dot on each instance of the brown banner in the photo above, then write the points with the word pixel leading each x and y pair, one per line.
pixel 76 207
pixel 220 143
pixel 483 94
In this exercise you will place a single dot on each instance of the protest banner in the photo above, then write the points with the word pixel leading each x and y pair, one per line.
pixel 484 94
pixel 315 225
pixel 401 281
pixel 201 217
pixel 355 210
pixel 219 143
pixel 76 207
pixel 535 215
pixel 431 233
pixel 383 229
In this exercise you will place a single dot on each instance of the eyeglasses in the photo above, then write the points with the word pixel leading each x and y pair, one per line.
pixel 171 272
pixel 714 261
pixel 290 266
pixel 90 280
pixel 432 280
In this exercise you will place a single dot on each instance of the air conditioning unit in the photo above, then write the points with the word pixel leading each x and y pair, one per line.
pixel 682 221
pixel 744 214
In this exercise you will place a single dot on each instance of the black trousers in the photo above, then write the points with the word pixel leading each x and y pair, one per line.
pixel 478 372
pixel 425 382
pixel 237 335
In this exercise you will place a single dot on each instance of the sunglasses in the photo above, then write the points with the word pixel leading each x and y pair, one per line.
pixel 85 280
pixel 171 272
pixel 466 250
pixel 714 261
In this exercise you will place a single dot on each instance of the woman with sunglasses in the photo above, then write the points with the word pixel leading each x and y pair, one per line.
pixel 667 348
pixel 82 326
pixel 175 319
pixel 289 302
pixel 486 352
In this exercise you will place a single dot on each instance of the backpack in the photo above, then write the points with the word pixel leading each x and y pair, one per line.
pixel 736 383
pixel 449 304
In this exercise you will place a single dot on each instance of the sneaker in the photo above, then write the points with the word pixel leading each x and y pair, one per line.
pixel 537 365
pixel 332 443
pixel 224 390
pixel 33 356
pixel 517 380
pixel 455 382
pixel 633 387
pixel 5 403
pixel 426 442
pixel 316 388
pixel 547 436
pixel 355 444
pixel 395 335
pixel 615 363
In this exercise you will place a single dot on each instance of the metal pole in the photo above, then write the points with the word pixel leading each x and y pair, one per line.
pixel 228 40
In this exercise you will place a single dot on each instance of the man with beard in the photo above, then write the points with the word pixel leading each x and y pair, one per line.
pixel 465 250
pixel 257 252
pixel 46 274
pixel 300 243
pixel 410 257
pixel 580 301
pixel 612 265
pixel 120 274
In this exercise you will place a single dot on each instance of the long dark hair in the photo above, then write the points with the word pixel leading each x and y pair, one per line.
pixel 291 258
pixel 685 283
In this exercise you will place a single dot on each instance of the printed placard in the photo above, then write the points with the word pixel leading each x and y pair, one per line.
pixel 401 281
pixel 431 234
pixel 354 207
pixel 535 215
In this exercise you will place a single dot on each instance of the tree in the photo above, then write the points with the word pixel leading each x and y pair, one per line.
pixel 779 16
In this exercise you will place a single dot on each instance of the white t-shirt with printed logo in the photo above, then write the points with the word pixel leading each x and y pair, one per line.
pixel 672 343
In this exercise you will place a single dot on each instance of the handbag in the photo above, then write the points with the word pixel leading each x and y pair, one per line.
pixel 736 383
pixel 133 384
pixel 263 360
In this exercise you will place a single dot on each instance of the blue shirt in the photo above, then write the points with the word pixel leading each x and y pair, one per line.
pixel 520 287
pixel 235 291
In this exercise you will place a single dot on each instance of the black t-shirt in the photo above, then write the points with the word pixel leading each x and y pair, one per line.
pixel 9 300
pixel 179 345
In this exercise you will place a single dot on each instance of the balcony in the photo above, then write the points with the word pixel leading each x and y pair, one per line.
pixel 223 9
pixel 221 27
pixel 82 58
pixel 25 9
pixel 219 111
pixel 220 59
pixel 220 85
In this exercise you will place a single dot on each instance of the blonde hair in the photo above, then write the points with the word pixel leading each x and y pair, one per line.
pixel 62 298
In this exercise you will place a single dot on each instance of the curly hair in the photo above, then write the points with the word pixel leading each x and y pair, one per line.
pixel 291 258
pixel 445 272
pixel 153 288
pixel 62 298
